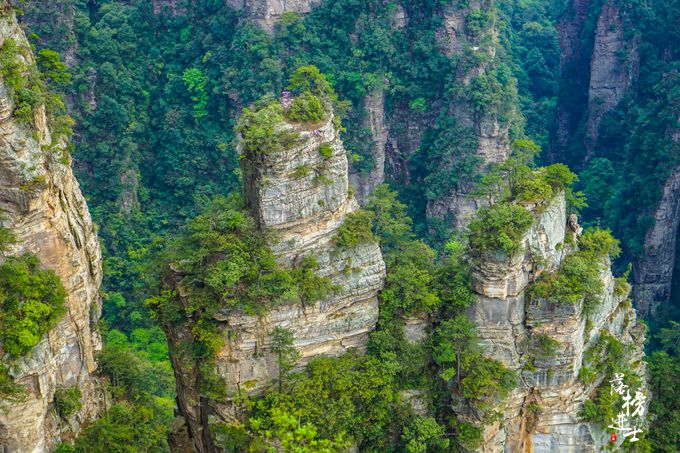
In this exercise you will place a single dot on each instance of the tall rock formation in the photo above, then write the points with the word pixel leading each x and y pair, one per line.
pixel 611 53
pixel 654 269
pixel 301 195
pixel 374 106
pixel 614 67
pixel 475 46
pixel 511 325
pixel 266 13
pixel 41 203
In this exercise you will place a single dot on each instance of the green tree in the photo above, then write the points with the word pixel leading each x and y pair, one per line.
pixel 287 356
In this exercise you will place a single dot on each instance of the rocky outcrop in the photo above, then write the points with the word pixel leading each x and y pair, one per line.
pixel 508 323
pixel 304 213
pixel 573 94
pixel 41 203
pixel 612 56
pixel 266 13
pixel 614 67
pixel 374 105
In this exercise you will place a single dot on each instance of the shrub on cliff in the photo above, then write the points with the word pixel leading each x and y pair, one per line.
pixel 306 108
pixel 262 129
pixel 31 303
pixel 578 277
pixel 355 230
pixel 67 401
pixel 499 228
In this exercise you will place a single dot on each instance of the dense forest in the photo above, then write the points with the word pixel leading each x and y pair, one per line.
pixel 171 101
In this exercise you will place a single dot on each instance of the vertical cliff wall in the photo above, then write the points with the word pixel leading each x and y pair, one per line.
pixel 266 13
pixel 543 413
pixel 470 35
pixel 654 269
pixel 591 36
pixel 42 205
pixel 613 68
pixel 301 195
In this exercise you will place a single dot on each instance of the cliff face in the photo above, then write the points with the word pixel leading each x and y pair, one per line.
pixel 613 69
pixel 266 13
pixel 304 213
pixel 613 59
pixel 42 204
pixel 510 322
pixel 374 105
pixel 654 269
pixel 490 132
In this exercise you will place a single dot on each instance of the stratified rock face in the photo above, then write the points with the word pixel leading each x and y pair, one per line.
pixel 266 13
pixel 42 204
pixel 613 68
pixel 507 322
pixel 374 105
pixel 654 270
pixel 304 212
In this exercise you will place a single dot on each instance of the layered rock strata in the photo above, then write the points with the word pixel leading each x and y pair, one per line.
pixel 305 214
pixel 508 322
pixel 41 203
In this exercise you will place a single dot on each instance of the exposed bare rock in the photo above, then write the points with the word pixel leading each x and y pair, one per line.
pixel 42 204
pixel 654 269
pixel 305 214
pixel 374 104
pixel 507 322
pixel 266 13
pixel 614 67
pixel 174 7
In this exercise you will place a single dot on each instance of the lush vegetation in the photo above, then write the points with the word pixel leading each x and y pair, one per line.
pixel 156 94
pixel 31 303
pixel 578 277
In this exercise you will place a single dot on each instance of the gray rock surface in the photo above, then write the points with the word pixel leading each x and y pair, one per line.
pixel 614 66
pixel 266 13
pixel 507 322
pixel 654 270
pixel 304 213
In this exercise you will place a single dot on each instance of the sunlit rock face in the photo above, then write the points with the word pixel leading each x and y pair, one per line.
pixel 303 213
pixel 41 203
pixel 507 321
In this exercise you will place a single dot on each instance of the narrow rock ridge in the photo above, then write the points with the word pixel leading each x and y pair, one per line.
pixel 42 204
pixel 304 213
pixel 507 320
pixel 614 67
pixel 266 13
